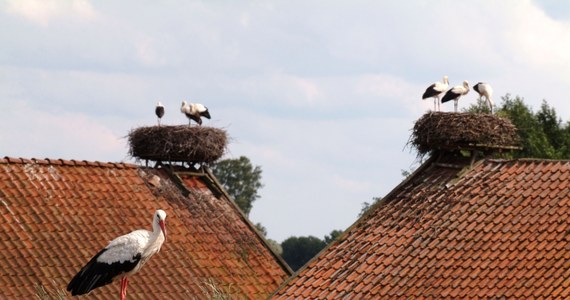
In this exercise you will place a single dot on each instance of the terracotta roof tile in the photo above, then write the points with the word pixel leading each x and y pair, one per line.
pixel 498 231
pixel 57 213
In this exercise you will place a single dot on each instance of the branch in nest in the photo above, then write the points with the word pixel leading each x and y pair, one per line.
pixel 178 143
pixel 451 131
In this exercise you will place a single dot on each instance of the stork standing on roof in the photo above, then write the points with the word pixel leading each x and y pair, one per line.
pixel 123 257
pixel 455 93
pixel 485 89
pixel 195 111
pixel 435 90
pixel 159 111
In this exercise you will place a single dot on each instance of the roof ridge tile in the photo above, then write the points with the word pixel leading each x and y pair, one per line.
pixel 54 161
pixel 65 162
pixel 39 161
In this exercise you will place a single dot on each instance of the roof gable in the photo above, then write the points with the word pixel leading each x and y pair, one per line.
pixel 57 214
pixel 497 229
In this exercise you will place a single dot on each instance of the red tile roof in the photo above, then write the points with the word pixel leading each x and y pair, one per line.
pixel 57 214
pixel 498 229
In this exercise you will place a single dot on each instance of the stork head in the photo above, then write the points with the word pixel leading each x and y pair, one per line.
pixel 184 104
pixel 159 104
pixel 445 79
pixel 160 219
pixel 466 84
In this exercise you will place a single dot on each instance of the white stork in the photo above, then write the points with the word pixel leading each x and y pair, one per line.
pixel 455 93
pixel 123 256
pixel 194 111
pixel 159 111
pixel 435 90
pixel 485 89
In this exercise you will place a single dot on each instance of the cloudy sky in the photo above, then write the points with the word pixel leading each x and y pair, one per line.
pixel 321 94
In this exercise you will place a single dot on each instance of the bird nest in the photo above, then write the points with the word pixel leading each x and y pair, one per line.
pixel 184 143
pixel 463 131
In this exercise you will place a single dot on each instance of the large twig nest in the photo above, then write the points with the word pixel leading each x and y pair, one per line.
pixel 456 131
pixel 178 143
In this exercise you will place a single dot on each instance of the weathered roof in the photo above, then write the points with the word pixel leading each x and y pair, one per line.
pixel 499 229
pixel 57 214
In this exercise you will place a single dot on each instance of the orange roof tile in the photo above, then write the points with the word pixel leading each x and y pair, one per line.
pixel 496 229
pixel 56 214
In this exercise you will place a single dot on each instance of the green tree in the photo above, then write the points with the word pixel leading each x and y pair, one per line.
pixel 542 134
pixel 299 250
pixel 261 228
pixel 272 243
pixel 240 179
pixel 552 127
pixel 331 237
pixel 366 205
pixel 533 139
pixel 480 107
pixel 566 140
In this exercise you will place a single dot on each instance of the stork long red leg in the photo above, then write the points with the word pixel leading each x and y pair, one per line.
pixel 124 256
pixel 124 282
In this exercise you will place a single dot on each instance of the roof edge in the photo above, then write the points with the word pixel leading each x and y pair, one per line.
pixel 421 168
pixel 64 162
pixel 433 159
pixel 207 175
pixel 526 159
pixel 262 238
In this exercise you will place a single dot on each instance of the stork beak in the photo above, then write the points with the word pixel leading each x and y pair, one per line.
pixel 163 228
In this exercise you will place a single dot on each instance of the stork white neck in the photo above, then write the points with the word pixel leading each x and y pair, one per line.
pixel 158 235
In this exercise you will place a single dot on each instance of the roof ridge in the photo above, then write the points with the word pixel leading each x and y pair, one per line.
pixel 264 240
pixel 60 161
pixel 215 187
pixel 525 159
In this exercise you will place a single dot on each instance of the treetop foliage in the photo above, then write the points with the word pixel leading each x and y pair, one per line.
pixel 297 251
pixel 542 133
pixel 240 179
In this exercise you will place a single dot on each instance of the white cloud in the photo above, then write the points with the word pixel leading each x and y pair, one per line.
pixel 57 134
pixel 147 52
pixel 351 185
pixel 322 98
pixel 531 36
pixel 44 11
pixel 312 168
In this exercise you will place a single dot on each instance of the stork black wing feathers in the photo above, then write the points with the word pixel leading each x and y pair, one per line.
pixel 476 87
pixel 205 114
pixel 159 110
pixel 96 274
pixel 194 118
pixel 450 95
pixel 430 92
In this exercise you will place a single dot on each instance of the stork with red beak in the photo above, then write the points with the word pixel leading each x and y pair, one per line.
pixel 123 257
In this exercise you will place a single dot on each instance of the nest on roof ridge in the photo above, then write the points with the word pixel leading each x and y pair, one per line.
pixel 463 131
pixel 196 144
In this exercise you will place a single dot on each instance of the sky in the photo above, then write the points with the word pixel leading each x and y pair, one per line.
pixel 322 95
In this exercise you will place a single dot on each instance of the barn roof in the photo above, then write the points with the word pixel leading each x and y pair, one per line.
pixel 56 214
pixel 491 229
